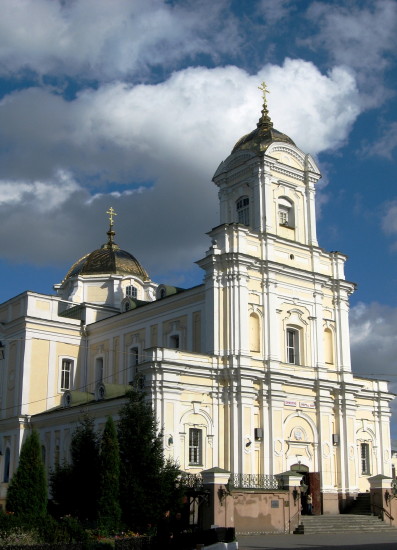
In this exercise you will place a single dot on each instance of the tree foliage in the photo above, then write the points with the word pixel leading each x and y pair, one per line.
pixel 27 492
pixel 147 480
pixel 74 487
pixel 109 511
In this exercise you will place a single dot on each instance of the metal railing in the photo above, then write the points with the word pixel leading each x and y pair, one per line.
pixel 255 481
pixel 191 481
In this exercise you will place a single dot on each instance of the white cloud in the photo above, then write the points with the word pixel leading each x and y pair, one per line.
pixel 39 195
pixel 359 35
pixel 373 331
pixel 386 144
pixel 102 39
pixel 273 12
pixel 389 218
pixel 168 138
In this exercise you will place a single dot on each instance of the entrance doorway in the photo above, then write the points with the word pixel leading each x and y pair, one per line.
pixel 310 485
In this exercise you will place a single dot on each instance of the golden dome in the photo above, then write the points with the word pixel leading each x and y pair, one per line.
pixel 108 260
pixel 264 133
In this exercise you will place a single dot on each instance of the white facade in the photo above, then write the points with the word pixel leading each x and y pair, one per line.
pixel 249 371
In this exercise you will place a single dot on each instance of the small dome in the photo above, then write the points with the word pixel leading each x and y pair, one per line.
pixel 260 139
pixel 264 133
pixel 108 259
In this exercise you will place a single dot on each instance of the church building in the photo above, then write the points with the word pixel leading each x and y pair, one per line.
pixel 249 371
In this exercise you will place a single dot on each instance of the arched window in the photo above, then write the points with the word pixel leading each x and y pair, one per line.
pixel 243 212
pixel 293 347
pixel 254 332
pixel 286 215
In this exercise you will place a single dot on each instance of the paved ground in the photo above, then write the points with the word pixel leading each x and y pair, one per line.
pixel 352 541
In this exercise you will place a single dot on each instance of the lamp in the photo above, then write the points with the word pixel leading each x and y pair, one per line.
pixel 170 440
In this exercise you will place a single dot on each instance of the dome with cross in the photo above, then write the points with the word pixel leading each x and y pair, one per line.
pixel 109 259
pixel 264 133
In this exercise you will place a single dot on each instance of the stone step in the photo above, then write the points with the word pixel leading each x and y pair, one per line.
pixel 341 523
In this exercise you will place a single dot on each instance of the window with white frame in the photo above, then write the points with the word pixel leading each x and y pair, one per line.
pixel 195 446
pixel 292 346
pixel 243 210
pixel 66 374
pixel 285 212
pixel 365 462
pixel 131 291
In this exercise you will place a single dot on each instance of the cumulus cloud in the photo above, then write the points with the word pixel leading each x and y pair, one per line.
pixel 163 140
pixel 42 196
pixel 360 35
pixel 386 144
pixel 373 345
pixel 103 40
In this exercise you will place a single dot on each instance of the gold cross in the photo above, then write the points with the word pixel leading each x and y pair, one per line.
pixel 264 90
pixel 111 213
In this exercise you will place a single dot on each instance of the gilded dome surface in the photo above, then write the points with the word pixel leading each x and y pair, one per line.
pixel 109 259
pixel 264 133
pixel 260 139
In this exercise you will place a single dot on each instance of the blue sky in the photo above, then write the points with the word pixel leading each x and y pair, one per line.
pixel 134 103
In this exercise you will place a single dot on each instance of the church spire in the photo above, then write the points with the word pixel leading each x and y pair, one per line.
pixel 111 245
pixel 265 122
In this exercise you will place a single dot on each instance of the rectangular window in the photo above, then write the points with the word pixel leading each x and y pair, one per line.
pixel 243 211
pixel 134 353
pixel 66 374
pixel 195 446
pixel 365 465
pixel 292 346
pixel 174 341
pixel 131 291
pixel 283 217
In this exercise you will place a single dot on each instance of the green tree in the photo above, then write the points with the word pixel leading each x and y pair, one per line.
pixel 84 450
pixel 74 487
pixel 27 492
pixel 109 511
pixel 147 480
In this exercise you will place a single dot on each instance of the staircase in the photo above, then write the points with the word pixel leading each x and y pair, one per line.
pixel 361 505
pixel 341 523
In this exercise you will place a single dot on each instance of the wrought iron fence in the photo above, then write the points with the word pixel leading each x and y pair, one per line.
pixel 255 481
pixel 191 481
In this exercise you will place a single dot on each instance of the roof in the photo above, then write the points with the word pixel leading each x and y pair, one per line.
pixel 263 135
pixel 109 259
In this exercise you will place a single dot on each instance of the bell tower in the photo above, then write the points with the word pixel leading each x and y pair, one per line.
pixel 265 260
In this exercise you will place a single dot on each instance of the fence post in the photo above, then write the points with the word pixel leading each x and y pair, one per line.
pixel 219 510
pixel 292 481
pixel 381 498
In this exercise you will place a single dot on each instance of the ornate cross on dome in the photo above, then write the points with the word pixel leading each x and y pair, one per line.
pixel 111 213
pixel 264 91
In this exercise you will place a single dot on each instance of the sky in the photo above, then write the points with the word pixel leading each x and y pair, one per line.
pixel 134 103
